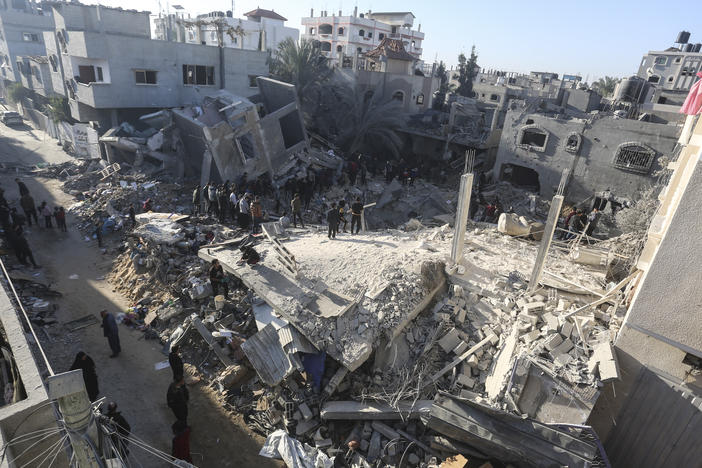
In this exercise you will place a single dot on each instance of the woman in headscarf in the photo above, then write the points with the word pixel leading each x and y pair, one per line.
pixel 85 362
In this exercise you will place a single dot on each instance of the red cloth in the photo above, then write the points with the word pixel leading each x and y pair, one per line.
pixel 181 446
pixel 693 103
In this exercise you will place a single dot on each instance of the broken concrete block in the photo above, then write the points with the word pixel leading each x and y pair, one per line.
pixel 472 361
pixel 323 443
pixel 529 319
pixel 303 427
pixel 461 348
pixel 484 364
pixel 553 341
pixel 563 359
pixel 567 329
pixel 550 320
pixel 385 430
pixel 604 359
pixel 563 304
pixel 531 336
pixel 461 315
pixel 533 308
pixel 466 381
pixel 305 410
pixel 374 447
pixel 562 348
pixel 450 340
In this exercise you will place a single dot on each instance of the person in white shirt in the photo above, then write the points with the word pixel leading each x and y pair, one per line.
pixel 244 212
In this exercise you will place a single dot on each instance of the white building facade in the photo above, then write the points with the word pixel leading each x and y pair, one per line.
pixel 357 34
pixel 674 68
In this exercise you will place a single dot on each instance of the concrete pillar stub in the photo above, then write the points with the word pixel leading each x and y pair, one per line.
pixel 549 229
pixel 461 217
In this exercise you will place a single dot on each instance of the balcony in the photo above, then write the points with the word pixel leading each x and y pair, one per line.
pixel 97 95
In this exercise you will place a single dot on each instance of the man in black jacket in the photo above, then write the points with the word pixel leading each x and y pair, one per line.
pixel 333 220
pixel 175 361
pixel 111 332
pixel 177 398
pixel 356 211
pixel 122 429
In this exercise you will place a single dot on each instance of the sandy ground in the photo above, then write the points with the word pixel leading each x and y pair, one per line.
pixel 130 380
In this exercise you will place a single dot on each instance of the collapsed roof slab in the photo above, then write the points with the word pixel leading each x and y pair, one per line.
pixel 335 301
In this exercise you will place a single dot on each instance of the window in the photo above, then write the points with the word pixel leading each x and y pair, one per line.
pixel 533 137
pixel 495 98
pixel 312 31
pixel 420 99
pixel 37 74
pixel 370 34
pixel 359 50
pixel 381 36
pixel 325 29
pixel 326 46
pixel 361 32
pixel 414 44
pixel 53 60
pixel 654 79
pixel 678 59
pixel 252 81
pixel 245 145
pixel 393 29
pixel 572 144
pixel 339 48
pixel 201 75
pixel 20 67
pixel 99 73
pixel 30 37
pixel 670 79
pixel 634 157
pixel 398 96
pixel 340 31
pixel 145 76
pixel 661 60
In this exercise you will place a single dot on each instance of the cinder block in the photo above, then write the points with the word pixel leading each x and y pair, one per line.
pixel 450 340
pixel 553 341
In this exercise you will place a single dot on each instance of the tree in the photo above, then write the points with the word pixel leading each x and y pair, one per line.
pixel 58 110
pixel 300 64
pixel 366 122
pixel 467 70
pixel 605 86
pixel 445 87
pixel 16 92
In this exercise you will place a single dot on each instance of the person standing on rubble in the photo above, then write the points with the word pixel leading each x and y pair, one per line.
pixel 177 399
pixel 296 206
pixel 218 279
pixel 111 332
pixel 61 219
pixel 592 219
pixel 98 232
pixel 244 212
pixel 17 218
pixel 132 216
pixel 212 197
pixel 206 197
pixel 196 200
pixel 356 212
pixel 23 190
pixel 21 246
pixel 46 213
pixel 175 361
pixel 333 221
pixel 256 214
pixel 222 202
pixel 27 204
pixel 342 214
pixel 233 204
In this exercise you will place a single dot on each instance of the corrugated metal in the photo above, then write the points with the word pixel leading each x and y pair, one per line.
pixel 267 355
pixel 658 426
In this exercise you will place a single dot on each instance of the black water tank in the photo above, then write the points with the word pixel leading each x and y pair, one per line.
pixel 697 48
pixel 688 47
pixel 683 37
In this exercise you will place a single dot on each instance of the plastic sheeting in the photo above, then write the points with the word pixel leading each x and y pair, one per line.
pixel 294 453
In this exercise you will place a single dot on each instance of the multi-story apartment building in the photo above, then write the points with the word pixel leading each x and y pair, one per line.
pixel 674 68
pixel 22 23
pixel 262 30
pixel 105 62
pixel 357 34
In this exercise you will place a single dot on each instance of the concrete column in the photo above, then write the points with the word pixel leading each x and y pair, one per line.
pixel 69 390
pixel 109 153
pixel 461 216
pixel 549 229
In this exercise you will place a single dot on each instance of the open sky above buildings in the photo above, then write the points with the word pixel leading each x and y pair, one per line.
pixel 593 39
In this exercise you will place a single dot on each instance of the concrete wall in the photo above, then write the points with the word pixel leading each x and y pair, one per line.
pixel 591 167
pixel 100 19
pixel 410 85
pixel 667 73
pixel 274 31
pixel 13 24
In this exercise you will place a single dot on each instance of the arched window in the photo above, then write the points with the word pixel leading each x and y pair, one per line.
pixel 340 31
pixel 359 51
pixel 634 157
pixel 533 137
pixel 339 48
pixel 361 32
pixel 325 29
pixel 312 30
pixel 398 96
pixel 573 142
pixel 326 46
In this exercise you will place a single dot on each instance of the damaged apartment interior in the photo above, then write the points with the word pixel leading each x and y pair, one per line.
pixel 517 287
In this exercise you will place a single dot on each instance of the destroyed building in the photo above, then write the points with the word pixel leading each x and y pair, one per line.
pixel 105 62
pixel 601 151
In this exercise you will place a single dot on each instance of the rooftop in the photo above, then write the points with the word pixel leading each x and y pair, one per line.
pixel 392 49
pixel 261 13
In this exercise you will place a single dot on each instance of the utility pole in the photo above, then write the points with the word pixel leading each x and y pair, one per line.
pixel 69 390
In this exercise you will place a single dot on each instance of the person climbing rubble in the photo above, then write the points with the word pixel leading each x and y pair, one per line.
pixel 249 255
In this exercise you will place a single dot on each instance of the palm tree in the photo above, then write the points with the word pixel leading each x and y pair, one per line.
pixel 367 123
pixel 300 64
pixel 605 86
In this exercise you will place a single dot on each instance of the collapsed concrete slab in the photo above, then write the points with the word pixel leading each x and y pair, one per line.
pixel 356 410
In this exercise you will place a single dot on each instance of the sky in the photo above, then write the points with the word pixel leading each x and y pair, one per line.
pixel 592 39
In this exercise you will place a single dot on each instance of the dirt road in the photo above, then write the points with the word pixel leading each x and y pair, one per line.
pixel 130 380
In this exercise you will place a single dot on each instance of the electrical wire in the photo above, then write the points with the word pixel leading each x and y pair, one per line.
pixel 57 451
pixel 29 448
pixel 51 448
pixel 29 323
pixel 152 450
